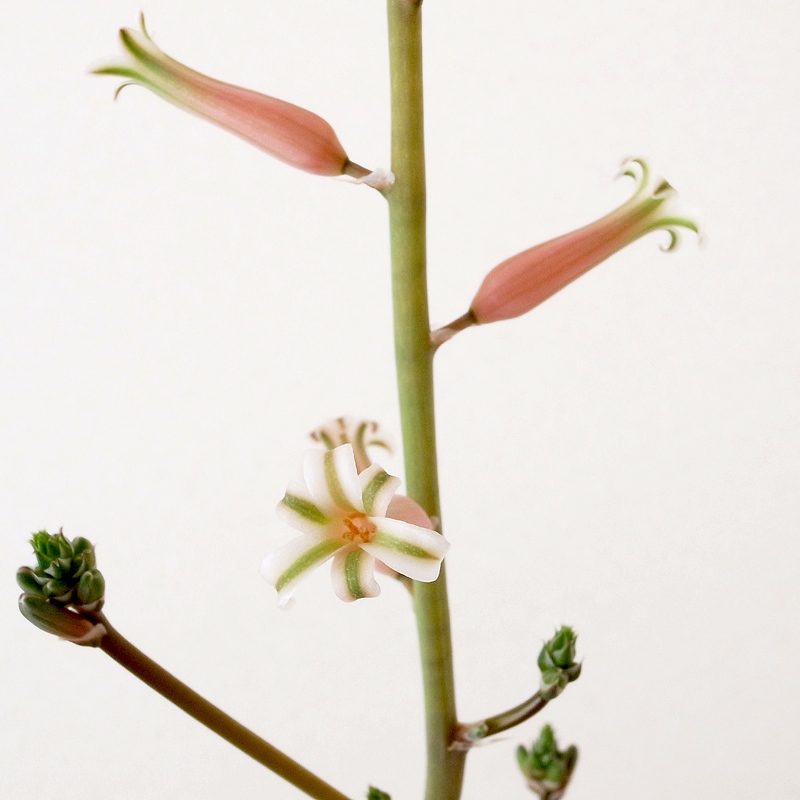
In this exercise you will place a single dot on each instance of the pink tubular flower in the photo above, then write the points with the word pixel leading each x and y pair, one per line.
pixel 529 278
pixel 289 133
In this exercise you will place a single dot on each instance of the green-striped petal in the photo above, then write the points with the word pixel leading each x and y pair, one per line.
pixel 332 479
pixel 299 510
pixel 353 575
pixel 286 567
pixel 377 489
pixel 408 549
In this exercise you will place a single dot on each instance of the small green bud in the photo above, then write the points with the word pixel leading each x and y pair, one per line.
pixel 377 794
pixel 61 621
pixel 26 578
pixel 66 573
pixel 557 663
pixel 91 587
pixel 546 768
pixel 58 590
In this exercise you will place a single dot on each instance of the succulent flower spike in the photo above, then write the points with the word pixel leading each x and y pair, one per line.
pixel 62 588
pixel 348 516
pixel 360 433
pixel 527 279
pixel 291 134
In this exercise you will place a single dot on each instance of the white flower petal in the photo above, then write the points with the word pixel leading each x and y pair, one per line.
pixel 299 510
pixel 408 549
pixel 332 479
pixel 287 566
pixel 353 575
pixel 377 489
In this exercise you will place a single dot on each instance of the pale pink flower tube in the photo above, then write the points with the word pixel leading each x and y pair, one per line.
pixel 527 279
pixel 291 134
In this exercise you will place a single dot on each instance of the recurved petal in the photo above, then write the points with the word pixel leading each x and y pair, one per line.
pixel 408 549
pixel 353 575
pixel 332 479
pixel 377 489
pixel 290 564
pixel 298 509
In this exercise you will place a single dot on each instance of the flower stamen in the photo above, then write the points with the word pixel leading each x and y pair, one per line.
pixel 358 528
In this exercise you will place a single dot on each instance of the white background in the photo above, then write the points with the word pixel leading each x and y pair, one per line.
pixel 177 310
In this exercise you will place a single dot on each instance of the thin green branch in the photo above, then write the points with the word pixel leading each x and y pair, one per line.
pixel 468 733
pixel 167 685
pixel 415 382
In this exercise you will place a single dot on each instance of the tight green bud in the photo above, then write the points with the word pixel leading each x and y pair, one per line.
pixel 91 587
pixel 546 768
pixel 377 794
pixel 66 572
pixel 557 663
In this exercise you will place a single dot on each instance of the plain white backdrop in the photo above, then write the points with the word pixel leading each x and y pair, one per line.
pixel 177 311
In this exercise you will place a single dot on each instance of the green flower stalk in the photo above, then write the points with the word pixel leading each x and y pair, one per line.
pixel 558 668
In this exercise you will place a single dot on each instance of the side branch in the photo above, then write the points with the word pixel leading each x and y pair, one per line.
pixel 167 685
pixel 467 734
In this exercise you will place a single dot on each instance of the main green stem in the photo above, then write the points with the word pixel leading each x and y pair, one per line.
pixel 167 685
pixel 414 356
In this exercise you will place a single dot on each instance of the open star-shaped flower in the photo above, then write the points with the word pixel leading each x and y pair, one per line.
pixel 356 520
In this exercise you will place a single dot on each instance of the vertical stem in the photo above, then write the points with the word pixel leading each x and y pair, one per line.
pixel 415 382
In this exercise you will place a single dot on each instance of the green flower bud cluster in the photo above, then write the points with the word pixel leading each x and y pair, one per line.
pixel 546 768
pixel 66 573
pixel 377 794
pixel 557 663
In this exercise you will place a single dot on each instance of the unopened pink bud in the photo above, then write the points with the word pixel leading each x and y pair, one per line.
pixel 523 281
pixel 291 134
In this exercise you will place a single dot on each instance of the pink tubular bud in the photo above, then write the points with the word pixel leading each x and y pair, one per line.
pixel 523 281
pixel 291 134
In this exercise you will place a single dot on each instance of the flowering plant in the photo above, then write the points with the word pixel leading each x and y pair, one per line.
pixel 346 507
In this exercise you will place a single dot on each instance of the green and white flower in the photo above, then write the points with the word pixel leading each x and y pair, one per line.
pixel 355 520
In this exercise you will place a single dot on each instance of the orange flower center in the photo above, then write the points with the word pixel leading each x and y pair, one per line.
pixel 357 528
